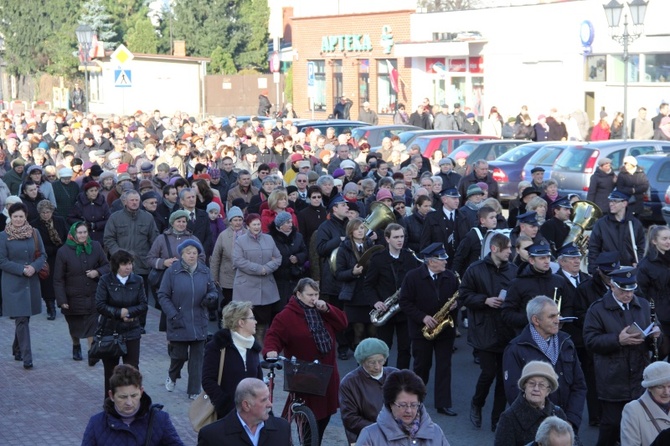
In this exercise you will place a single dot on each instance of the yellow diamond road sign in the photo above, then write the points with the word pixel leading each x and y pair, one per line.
pixel 122 55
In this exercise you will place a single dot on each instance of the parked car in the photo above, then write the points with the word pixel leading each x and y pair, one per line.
pixel 665 210
pixel 446 143
pixel 575 165
pixel 244 119
pixel 375 133
pixel 545 158
pixel 657 168
pixel 408 137
pixel 487 150
pixel 340 125
pixel 507 169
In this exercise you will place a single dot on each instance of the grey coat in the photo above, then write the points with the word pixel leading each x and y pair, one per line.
pixel 250 256
pixel 133 233
pixel 21 295
pixel 221 262
pixel 159 253
pixel 386 432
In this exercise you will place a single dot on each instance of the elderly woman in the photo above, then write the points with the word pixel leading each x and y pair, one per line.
pixel 403 419
pixel 539 205
pixel 185 295
pixel 53 230
pixel 129 406
pixel 240 352
pixel 92 209
pixel 20 282
pixel 221 261
pixel 306 329
pixel 361 396
pixel 120 300
pixel 78 266
pixel 277 202
pixel 519 423
pixel 255 258
pixel 550 192
pixel 644 418
pixel 293 252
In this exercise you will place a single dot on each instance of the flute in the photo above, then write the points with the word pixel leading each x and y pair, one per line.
pixel 652 308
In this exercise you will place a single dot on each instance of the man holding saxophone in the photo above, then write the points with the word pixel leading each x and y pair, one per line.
pixel 383 279
pixel 428 297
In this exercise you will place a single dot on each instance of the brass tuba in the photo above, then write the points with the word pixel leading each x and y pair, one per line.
pixel 443 319
pixel 585 216
pixel 378 317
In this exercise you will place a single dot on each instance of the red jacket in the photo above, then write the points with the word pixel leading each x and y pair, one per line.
pixel 289 334
pixel 268 219
pixel 601 132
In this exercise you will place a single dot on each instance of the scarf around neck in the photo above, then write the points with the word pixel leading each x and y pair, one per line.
pixel 21 233
pixel 72 241
pixel 316 326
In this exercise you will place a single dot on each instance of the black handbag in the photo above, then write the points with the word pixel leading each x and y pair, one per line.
pixel 156 275
pixel 107 345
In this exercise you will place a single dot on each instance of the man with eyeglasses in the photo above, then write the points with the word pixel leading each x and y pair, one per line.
pixel 541 340
pixel 301 180
pixel 620 352
pixel 618 231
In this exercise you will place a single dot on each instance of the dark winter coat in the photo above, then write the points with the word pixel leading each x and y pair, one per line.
pixel 470 179
pixel 185 297
pixel 469 250
pixel 635 185
pixel 132 231
pixel 290 334
pixel 112 295
pixel 288 274
pixel 555 231
pixel 275 432
pixel 653 280
pixel 107 428
pixel 571 393
pixel 66 196
pixel 450 180
pixel 264 105
pixel 528 284
pixel 328 239
pixel 519 423
pixel 94 213
pixel 309 220
pixel 609 234
pixel 352 286
pixel 420 120
pixel 234 370
pixel 413 225
pixel 71 285
pixel 601 185
pixel 471 128
pixel 619 366
pixel 22 295
pixel 437 229
pixel 483 279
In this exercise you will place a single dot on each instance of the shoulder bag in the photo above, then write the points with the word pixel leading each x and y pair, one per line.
pixel 202 411
pixel 156 275
pixel 107 345
pixel 44 272
pixel 150 428
pixel 651 417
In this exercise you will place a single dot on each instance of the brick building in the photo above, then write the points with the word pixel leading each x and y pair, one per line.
pixel 352 55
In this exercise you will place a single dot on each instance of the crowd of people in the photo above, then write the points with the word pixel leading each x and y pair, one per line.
pixel 292 239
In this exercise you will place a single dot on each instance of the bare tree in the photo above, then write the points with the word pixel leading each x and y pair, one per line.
pixel 448 5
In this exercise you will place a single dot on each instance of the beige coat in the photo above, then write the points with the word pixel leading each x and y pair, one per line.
pixel 636 427
pixel 221 262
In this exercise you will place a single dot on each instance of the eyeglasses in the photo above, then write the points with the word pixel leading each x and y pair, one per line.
pixel 315 197
pixel 405 406
pixel 540 385
pixel 300 181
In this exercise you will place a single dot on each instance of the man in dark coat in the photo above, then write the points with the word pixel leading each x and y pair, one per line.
pixel 620 354
pixel 342 108
pixel 480 292
pixel 446 225
pixel 426 291
pixel 198 221
pixel 602 184
pixel 253 407
pixel 634 182
pixel 534 279
pixel 555 230
pixel 470 248
pixel 618 231
pixel 480 174
pixel 383 280
pixel 264 104
pixel 541 340
pixel 420 118
pixel 450 179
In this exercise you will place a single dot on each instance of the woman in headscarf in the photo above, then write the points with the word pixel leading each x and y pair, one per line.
pixel 53 230
pixel 78 266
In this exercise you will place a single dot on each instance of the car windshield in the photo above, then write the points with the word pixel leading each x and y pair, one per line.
pixel 573 160
pixel 517 153
pixel 545 156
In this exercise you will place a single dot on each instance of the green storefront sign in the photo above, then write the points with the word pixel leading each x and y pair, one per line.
pixel 346 42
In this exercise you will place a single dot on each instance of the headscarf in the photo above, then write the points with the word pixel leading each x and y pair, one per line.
pixel 72 240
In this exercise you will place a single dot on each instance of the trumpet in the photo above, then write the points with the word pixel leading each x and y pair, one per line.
pixel 443 319
pixel 379 317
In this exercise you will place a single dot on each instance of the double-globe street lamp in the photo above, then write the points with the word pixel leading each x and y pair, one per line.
pixel 613 10
pixel 85 39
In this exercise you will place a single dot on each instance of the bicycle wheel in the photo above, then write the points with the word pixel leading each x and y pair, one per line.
pixel 304 430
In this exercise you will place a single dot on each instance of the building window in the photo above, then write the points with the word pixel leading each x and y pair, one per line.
pixel 364 80
pixel 595 69
pixel 386 94
pixel 617 68
pixel 657 68
pixel 319 100
pixel 338 88
pixel 95 86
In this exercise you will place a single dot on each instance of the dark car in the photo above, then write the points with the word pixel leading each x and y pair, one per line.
pixel 485 150
pixel 507 169
pixel 375 133
pixel 657 168
pixel 340 125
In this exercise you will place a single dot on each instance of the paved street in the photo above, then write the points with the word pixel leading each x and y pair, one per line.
pixel 51 404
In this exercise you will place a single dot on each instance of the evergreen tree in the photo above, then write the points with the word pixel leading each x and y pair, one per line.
pixel 221 62
pixel 141 36
pixel 96 16
pixel 254 17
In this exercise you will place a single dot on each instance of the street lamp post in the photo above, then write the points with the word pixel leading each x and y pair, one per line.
pixel 85 38
pixel 613 10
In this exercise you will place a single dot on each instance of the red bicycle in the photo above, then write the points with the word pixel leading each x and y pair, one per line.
pixel 299 377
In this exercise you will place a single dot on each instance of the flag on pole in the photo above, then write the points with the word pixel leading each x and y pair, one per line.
pixel 393 75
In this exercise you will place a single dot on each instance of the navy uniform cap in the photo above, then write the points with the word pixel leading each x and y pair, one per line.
pixel 435 250
pixel 618 195
pixel 625 278
pixel 569 250
pixel 453 193
pixel 539 250
pixel 528 218
pixel 536 169
pixel 607 261
pixel 562 203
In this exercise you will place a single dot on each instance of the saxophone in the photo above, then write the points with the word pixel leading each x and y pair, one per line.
pixel 379 317
pixel 442 317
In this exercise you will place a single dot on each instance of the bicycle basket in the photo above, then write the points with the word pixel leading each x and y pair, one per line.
pixel 307 377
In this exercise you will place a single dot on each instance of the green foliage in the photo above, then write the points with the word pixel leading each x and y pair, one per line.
pixel 288 85
pixel 95 15
pixel 254 17
pixel 141 36
pixel 123 15
pixel 222 62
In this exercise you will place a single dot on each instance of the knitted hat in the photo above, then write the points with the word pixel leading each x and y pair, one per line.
pixel 189 242
pixel 281 218
pixel 656 374
pixel 474 190
pixel 213 206
pixel 290 189
pixel 234 212
pixel 106 174
pixel 539 368
pixel 384 194
pixel 178 214
pixel 350 187
pixel 91 184
pixel 369 347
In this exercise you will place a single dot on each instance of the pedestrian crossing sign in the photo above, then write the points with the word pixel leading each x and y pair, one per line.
pixel 123 78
